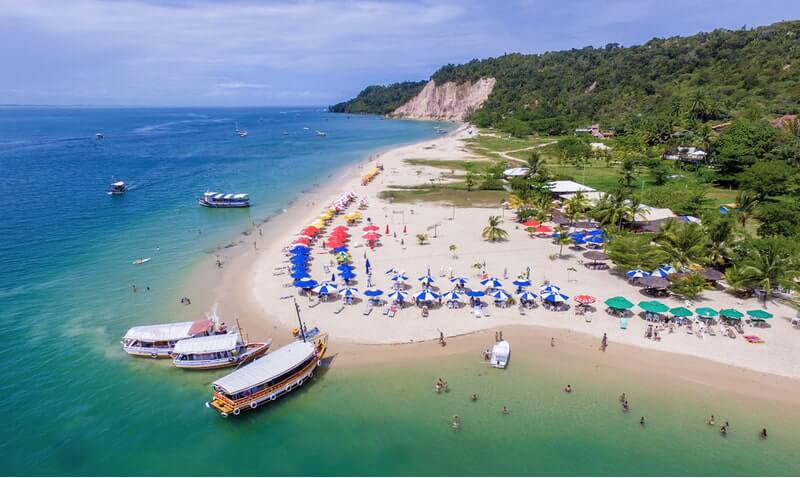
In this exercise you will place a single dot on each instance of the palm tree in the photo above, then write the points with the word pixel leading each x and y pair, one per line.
pixel 537 166
pixel 738 279
pixel 720 235
pixel 689 246
pixel 699 109
pixel 492 232
pixel 610 210
pixel 421 238
pixel 576 206
pixel 562 240
pixel 771 263
pixel 746 204
pixel 628 170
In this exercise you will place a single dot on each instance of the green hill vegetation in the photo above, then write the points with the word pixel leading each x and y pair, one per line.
pixel 381 100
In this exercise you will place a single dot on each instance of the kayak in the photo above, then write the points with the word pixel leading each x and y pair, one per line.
pixel 141 261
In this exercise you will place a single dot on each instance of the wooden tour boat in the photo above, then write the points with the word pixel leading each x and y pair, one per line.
pixel 217 351
pixel 158 341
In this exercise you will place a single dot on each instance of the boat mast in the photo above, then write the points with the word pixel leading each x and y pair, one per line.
pixel 299 321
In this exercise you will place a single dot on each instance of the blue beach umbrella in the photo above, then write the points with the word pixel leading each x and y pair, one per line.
pixel 594 239
pixel 367 266
pixel 459 280
pixel 398 295
pixel 297 275
pixel 348 292
pixel 345 267
pixel 663 271
pixel 299 249
pixel 348 275
pixel 549 288
pixel 637 273
pixel 426 279
pixel 500 294
pixel 426 295
pixel 305 283
pixel 527 296
pixel 325 289
pixel 451 296
pixel 299 259
pixel 373 292
pixel 340 249
pixel 476 293
pixel 555 297
pixel 492 282
pixel 391 271
pixel 521 283
pixel 398 278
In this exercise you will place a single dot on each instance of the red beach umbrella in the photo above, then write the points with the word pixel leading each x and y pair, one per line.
pixel 371 227
pixel 340 228
pixel 371 236
pixel 531 223
pixel 340 235
pixel 303 240
pixel 310 231
pixel 584 299
pixel 334 243
pixel 543 229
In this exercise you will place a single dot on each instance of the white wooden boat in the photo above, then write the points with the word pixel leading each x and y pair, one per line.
pixel 158 341
pixel 117 189
pixel 222 200
pixel 500 354
pixel 216 351
pixel 268 378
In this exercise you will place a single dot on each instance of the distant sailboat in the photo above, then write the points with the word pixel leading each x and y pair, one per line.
pixel 98 136
pixel 322 133
pixel 241 132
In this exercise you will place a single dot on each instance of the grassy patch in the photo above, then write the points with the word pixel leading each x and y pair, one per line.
pixel 455 194
pixel 451 164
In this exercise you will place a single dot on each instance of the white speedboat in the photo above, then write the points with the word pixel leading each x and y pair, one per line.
pixel 500 354
pixel 118 188
pixel 98 135
pixel 322 133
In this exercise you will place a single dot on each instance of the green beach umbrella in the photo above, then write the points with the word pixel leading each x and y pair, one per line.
pixel 653 306
pixel 731 314
pixel 759 314
pixel 680 312
pixel 619 302
pixel 706 312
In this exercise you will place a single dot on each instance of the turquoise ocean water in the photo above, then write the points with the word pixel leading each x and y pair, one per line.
pixel 75 404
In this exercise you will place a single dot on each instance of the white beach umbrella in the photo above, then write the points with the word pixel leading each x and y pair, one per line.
pixel 452 296
pixel 500 294
pixel 426 295
pixel 398 295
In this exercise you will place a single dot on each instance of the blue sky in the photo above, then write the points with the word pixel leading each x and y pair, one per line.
pixel 250 52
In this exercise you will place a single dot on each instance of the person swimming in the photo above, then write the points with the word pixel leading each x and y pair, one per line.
pixel 552 341
pixel 710 420
pixel 504 410
pixel 763 434
pixel 723 429
pixel 625 406
pixel 568 388
pixel 622 397
pixel 474 397
pixel 641 421
pixel 455 423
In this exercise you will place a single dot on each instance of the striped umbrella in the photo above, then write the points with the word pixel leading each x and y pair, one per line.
pixel 325 289
pixel 500 294
pixel 492 282
pixel 398 295
pixel 459 280
pixel 451 296
pixel 527 296
pixel 521 283
pixel 426 295
pixel 427 279
pixel 399 278
pixel 555 297
pixel 637 274
pixel 549 289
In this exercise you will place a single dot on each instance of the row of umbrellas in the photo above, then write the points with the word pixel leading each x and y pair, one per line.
pixel 663 271
pixel 657 307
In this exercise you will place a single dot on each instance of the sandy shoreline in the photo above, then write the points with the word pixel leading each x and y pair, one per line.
pixel 247 289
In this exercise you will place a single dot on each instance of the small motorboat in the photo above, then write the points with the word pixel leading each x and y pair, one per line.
pixel 141 260
pixel 117 189
pixel 322 133
pixel 98 136
pixel 500 354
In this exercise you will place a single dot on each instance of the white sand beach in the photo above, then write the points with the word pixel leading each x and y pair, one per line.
pixel 252 291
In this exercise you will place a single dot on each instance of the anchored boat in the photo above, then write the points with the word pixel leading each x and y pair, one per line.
pixel 217 351
pixel 500 353
pixel 117 188
pixel 214 199
pixel 158 341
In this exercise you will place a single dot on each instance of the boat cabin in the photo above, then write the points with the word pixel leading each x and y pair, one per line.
pixel 117 188
pixel 215 351
pixel 214 199
pixel 158 341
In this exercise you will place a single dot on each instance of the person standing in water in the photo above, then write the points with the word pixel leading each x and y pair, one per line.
pixel 641 421
pixel 763 434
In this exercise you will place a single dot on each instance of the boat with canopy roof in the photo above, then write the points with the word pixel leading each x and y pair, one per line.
pixel 214 199
pixel 158 341
pixel 217 351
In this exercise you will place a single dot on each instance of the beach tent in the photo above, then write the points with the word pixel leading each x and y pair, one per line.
pixel 619 303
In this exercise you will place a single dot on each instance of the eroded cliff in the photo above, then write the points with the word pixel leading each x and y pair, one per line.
pixel 449 101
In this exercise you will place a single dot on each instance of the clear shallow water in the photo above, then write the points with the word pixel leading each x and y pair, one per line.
pixel 75 404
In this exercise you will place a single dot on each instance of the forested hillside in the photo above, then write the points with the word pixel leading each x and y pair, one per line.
pixel 379 99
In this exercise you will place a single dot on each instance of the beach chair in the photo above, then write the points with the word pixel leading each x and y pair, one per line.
pixel 477 312
pixel 368 309
pixel 623 323
pixel 314 303
pixel 386 309
pixel 392 311
pixel 339 310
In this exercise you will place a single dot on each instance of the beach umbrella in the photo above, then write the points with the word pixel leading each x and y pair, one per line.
pixel 521 283
pixel 500 294
pixel 299 249
pixel 653 306
pixel 706 312
pixel 341 228
pixel 426 279
pixel 305 283
pixel 371 236
pixel 527 296
pixel 399 278
pixel 371 227
pixel 310 231
pixel 619 303
pixel 664 271
pixel 451 296
pixel 348 292
pixel 731 314
pixel 391 270
pixel 637 274
pixel 459 280
pixel 302 241
pixel 405 230
pixel 398 295
pixel 325 289
pixel 654 282
pixel 680 312
pixel 348 275
pixel 492 282
pixel 373 292
pixel 340 249
pixel 555 297
pixel 542 229
pixel 549 288
pixel 595 255
pixel 367 266
pixel 584 299
pixel 300 275
pixel 594 239
pixel 759 314
pixel 426 295
pixel 345 267
pixel 531 223
pixel 476 293
pixel 299 260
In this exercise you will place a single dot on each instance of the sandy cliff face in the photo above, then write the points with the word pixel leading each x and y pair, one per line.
pixel 449 101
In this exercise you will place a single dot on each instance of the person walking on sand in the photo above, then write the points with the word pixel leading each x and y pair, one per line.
pixel 552 341
pixel 604 342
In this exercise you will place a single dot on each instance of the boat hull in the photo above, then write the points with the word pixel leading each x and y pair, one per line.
pixel 254 351
pixel 223 206
pixel 227 407
pixel 149 352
